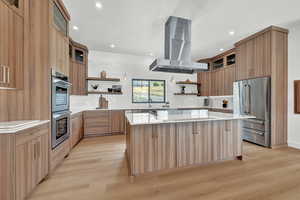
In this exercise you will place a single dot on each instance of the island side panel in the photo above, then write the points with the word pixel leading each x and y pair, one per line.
pixel 151 148
pixel 142 149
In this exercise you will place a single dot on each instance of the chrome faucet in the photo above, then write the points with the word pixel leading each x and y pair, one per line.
pixel 149 104
pixel 167 105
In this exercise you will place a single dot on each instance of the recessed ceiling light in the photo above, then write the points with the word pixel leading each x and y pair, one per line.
pixel 75 28
pixel 112 46
pixel 99 4
pixel 232 32
pixel 150 54
pixel 221 49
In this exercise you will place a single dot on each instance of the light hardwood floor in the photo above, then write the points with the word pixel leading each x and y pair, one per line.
pixel 96 170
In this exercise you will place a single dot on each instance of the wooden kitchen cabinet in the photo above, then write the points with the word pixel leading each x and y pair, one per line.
pixel 117 121
pixel 103 122
pixel 253 57
pixel 204 78
pixel 185 144
pixel 217 82
pixel 32 160
pixel 78 56
pixel 154 147
pixel 97 123
pixel 165 146
pixel 205 142
pixel 229 78
pixel 59 38
pixel 77 129
pixel 18 6
pixel 12 46
pixel 24 161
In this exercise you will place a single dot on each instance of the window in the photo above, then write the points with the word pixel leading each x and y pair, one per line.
pixel 148 91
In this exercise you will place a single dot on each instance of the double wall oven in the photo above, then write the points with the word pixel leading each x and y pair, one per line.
pixel 60 109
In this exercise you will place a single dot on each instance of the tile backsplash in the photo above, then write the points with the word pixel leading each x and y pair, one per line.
pixel 217 101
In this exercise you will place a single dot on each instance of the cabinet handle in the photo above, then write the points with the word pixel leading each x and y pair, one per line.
pixel 38 146
pixel 155 135
pixel 3 74
pixel 34 151
pixel 8 75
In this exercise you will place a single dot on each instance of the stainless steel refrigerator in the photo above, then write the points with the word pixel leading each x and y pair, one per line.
pixel 253 97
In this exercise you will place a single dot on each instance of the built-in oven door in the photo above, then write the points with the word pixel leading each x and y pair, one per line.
pixel 60 95
pixel 60 128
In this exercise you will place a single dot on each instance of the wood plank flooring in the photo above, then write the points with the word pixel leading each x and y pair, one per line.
pixel 97 170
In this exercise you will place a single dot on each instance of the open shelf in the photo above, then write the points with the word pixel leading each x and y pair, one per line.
pixel 218 63
pixel 230 59
pixel 187 83
pixel 103 79
pixel 187 94
pixel 108 93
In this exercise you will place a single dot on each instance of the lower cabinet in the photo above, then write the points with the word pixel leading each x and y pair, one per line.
pixel 32 160
pixel 103 122
pixel 117 120
pixel 154 147
pixel 26 154
pixel 76 129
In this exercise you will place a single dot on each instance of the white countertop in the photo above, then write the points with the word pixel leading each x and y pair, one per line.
pixel 177 116
pixel 78 110
pixel 16 126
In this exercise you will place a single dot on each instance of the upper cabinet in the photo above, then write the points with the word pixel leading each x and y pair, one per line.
pixel 59 37
pixel 254 57
pixel 78 58
pixel 12 44
pixel 17 6
pixel 218 81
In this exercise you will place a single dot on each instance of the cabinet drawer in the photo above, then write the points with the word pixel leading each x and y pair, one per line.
pixel 29 134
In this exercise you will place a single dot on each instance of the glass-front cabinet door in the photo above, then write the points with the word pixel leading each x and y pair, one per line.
pixel 17 6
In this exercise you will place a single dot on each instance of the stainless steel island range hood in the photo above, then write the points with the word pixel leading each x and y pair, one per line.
pixel 177 49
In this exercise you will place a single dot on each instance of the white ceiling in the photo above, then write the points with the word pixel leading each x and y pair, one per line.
pixel 137 26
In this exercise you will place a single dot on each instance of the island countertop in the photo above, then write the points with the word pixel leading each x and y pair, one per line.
pixel 178 116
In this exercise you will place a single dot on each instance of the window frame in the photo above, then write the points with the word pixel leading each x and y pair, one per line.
pixel 149 81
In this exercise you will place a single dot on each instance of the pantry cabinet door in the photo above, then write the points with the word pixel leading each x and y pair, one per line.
pixel 16 49
pixel 5 13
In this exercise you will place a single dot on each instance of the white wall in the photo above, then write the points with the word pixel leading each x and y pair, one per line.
pixel 293 74
pixel 116 65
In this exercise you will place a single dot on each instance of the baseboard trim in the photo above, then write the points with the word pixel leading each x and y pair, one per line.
pixel 294 145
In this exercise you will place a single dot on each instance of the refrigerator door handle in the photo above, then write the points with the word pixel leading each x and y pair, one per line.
pixel 247 99
pixel 244 99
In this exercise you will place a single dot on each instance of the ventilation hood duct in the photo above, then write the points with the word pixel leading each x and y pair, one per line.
pixel 177 49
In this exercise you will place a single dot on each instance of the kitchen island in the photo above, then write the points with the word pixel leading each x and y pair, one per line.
pixel 167 139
